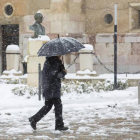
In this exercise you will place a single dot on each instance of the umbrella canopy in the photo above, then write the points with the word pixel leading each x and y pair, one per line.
pixel 60 46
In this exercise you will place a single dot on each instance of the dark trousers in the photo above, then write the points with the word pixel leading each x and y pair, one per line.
pixel 45 109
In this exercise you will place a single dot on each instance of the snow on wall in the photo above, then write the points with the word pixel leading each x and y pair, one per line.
pixel 12 47
pixel 41 37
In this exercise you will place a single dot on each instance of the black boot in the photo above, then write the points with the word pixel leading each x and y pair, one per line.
pixel 59 124
pixel 62 128
pixel 32 123
pixel 40 114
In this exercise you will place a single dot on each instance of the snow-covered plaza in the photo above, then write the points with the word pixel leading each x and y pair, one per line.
pixel 95 116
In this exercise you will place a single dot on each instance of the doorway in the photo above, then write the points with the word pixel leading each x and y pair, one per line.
pixel 10 35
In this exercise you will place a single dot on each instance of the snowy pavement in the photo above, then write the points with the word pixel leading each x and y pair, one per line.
pixel 111 115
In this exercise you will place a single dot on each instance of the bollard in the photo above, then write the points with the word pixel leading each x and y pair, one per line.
pixel 86 57
pixel 39 81
pixel 13 57
pixel 139 93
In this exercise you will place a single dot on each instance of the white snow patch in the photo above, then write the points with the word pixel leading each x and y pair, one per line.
pixel 72 137
pixel 13 74
pixel 39 137
pixel 24 76
pixel 41 37
pixel 96 133
pixel 83 129
pixel 103 76
pixel 12 71
pixel 12 47
pixel 88 47
pixel 25 58
pixel 87 71
pixel 38 12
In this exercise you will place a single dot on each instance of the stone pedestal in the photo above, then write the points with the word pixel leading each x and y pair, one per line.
pixel 86 58
pixel 86 61
pixel 33 60
pixel 12 57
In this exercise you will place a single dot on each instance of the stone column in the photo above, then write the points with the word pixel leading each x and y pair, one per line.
pixel 12 57
pixel 139 93
pixel 0 51
pixel 86 58
pixel 33 60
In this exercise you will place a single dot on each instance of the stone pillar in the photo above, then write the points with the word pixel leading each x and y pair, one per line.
pixel 139 93
pixel 86 58
pixel 13 57
pixel 0 51
pixel 33 60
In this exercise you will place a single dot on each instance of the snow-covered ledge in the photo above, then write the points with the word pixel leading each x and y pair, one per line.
pixel 44 38
pixel 86 60
pixel 13 57
pixel 14 75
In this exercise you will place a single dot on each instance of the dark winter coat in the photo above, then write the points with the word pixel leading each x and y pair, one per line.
pixel 53 70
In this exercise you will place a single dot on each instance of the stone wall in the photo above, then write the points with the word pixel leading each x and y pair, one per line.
pixel 83 20
pixel 25 7
pixel 100 34
pixel 127 16
pixel 65 18
pixel 71 18
pixel 128 52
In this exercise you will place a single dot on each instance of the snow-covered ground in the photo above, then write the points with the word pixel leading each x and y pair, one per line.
pixel 12 103
pixel 79 113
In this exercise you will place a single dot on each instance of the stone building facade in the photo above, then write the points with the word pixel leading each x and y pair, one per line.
pixel 89 21
pixel 99 26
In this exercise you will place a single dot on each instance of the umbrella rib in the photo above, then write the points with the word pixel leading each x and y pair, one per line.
pixel 45 45
pixel 77 42
pixel 61 43
pixel 61 47
pixel 72 44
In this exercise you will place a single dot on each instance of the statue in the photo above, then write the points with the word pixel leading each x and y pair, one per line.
pixel 37 27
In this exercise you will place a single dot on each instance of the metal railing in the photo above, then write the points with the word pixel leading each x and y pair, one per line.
pixel 111 71
pixel 40 88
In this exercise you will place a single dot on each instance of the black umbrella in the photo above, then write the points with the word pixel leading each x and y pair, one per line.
pixel 60 46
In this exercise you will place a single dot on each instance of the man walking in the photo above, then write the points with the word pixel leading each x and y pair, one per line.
pixel 53 71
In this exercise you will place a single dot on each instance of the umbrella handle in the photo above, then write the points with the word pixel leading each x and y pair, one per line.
pixel 62 60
